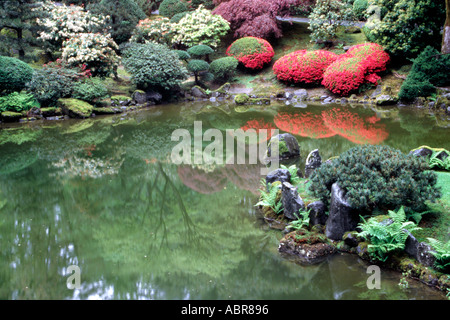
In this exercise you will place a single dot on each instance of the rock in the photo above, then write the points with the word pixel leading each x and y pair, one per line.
pixel 342 217
pixel 241 98
pixel 317 214
pixel 51 111
pixel 198 92
pixel 119 100
pixel 422 152
pixel 351 239
pixel 10 116
pixel 313 161
pixel 288 146
pixel 301 94
pixel 385 99
pixel 139 96
pixel 289 95
pixel 75 108
pixel 292 203
pixel 154 97
pixel 282 175
pixel 309 249
pixel 424 255
pixel 411 245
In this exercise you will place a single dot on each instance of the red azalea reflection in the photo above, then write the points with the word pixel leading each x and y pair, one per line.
pixel 305 125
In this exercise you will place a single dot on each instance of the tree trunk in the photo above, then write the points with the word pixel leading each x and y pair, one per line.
pixel 20 43
pixel 446 37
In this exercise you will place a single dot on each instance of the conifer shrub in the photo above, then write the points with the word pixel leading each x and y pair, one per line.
pixel 252 52
pixel 377 177
pixel 429 69
pixel 303 66
pixel 14 74
pixel 360 64
pixel 224 68
pixel 169 8
pixel 154 66
pixel 200 51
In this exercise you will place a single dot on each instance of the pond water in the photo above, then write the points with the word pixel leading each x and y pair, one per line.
pixel 104 195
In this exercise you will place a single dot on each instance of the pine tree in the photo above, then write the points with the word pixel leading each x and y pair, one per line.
pixel 18 16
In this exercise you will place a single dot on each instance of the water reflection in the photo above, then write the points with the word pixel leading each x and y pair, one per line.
pixel 104 195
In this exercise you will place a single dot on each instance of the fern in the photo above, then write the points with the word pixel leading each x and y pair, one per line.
pixel 441 253
pixel 437 163
pixel 270 198
pixel 302 220
pixel 387 236
pixel 295 179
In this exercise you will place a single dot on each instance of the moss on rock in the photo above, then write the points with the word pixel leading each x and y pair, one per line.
pixel 75 108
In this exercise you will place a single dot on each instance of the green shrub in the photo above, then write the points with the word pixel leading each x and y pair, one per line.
pixel 18 102
pixel 224 68
pixel 14 74
pixel 51 83
pixel 404 28
pixel 169 8
pixel 359 8
pixel 177 17
pixel 198 67
pixel 386 236
pixel 90 90
pixel 200 51
pixel 183 55
pixel 154 66
pixel 429 69
pixel 377 178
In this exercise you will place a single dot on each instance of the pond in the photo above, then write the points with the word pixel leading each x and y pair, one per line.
pixel 104 195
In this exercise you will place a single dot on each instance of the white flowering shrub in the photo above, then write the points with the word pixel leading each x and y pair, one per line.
pixel 96 51
pixel 63 22
pixel 200 27
pixel 326 18
pixel 153 30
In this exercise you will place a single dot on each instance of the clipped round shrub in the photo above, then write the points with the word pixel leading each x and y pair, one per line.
pixel 169 8
pixel 183 55
pixel 377 177
pixel 303 66
pixel 360 64
pixel 252 52
pixel 223 68
pixel 14 74
pixel 200 50
pixel 154 65
pixel 197 65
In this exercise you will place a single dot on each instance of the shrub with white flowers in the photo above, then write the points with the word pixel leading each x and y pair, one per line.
pixel 96 51
pixel 62 22
pixel 326 18
pixel 156 30
pixel 200 27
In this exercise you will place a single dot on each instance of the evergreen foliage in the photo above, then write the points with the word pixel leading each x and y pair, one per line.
pixel 153 65
pixel 14 74
pixel 90 90
pixel 377 177
pixel 404 27
pixel 169 8
pixel 124 16
pixel 430 69
pixel 224 68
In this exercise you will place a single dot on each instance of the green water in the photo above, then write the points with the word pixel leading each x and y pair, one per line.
pixel 104 195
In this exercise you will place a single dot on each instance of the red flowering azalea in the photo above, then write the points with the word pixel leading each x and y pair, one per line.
pixel 352 127
pixel 303 66
pixel 304 124
pixel 252 52
pixel 360 64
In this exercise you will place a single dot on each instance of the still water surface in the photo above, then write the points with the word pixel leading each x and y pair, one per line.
pixel 104 195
